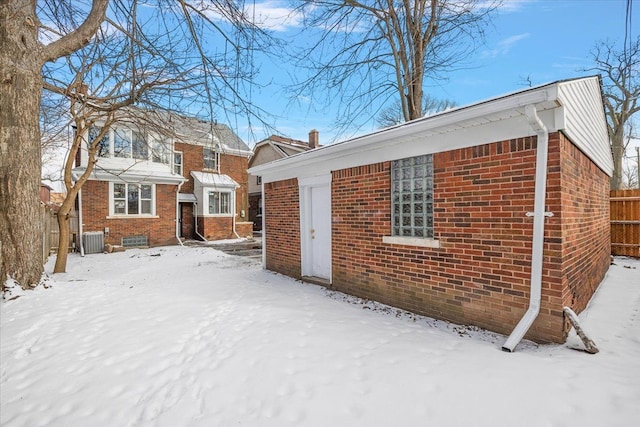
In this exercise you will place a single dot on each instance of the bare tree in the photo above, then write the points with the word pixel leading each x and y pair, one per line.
pixel 392 115
pixel 102 57
pixel 371 52
pixel 620 71
pixel 22 56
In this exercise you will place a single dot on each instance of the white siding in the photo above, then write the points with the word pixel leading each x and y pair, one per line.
pixel 585 123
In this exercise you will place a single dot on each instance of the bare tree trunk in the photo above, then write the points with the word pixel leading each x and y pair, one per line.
pixel 63 236
pixel 22 57
pixel 617 150
pixel 20 159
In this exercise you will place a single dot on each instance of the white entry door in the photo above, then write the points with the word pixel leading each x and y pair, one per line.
pixel 320 232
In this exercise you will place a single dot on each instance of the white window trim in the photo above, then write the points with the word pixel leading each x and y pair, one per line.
pixel 216 156
pixel 173 164
pixel 425 242
pixel 232 202
pixel 150 138
pixel 113 215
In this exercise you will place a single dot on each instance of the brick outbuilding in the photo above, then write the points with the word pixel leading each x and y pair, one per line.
pixel 494 214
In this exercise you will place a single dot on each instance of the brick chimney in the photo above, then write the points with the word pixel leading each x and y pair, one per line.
pixel 313 139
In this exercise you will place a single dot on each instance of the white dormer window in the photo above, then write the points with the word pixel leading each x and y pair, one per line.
pixel 129 144
pixel 159 150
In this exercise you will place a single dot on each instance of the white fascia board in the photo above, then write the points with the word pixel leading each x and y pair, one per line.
pixel 437 128
pixel 130 177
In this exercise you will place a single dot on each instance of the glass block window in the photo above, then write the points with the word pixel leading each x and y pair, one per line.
pixel 412 197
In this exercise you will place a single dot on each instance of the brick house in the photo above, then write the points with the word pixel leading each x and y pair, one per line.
pixel 494 214
pixel 173 178
pixel 273 148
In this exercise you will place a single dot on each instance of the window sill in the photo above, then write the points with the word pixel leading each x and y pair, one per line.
pixel 132 216
pixel 411 241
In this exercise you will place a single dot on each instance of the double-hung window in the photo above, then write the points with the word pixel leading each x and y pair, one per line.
pixel 103 144
pixel 159 150
pixel 122 143
pixel 140 146
pixel 220 203
pixel 132 199
pixel 177 162
pixel 211 159
pixel 412 197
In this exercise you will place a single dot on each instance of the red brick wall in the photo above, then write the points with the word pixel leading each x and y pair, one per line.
pixel 159 231
pixel 233 166
pixel 216 228
pixel 236 168
pixel 282 216
pixel 481 273
pixel 585 226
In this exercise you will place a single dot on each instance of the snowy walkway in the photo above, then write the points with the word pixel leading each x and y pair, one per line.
pixel 194 337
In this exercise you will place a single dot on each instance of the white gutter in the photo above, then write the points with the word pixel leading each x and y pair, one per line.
pixel 80 221
pixel 538 231
pixel 178 225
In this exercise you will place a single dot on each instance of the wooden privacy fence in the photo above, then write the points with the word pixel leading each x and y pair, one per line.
pixel 50 231
pixel 625 222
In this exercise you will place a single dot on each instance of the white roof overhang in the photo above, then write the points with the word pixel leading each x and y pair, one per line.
pixel 214 180
pixel 131 176
pixel 187 198
pixel 494 120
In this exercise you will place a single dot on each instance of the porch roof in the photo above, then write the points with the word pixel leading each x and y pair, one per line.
pixel 206 179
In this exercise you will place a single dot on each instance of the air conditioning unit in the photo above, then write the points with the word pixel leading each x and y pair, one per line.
pixel 93 242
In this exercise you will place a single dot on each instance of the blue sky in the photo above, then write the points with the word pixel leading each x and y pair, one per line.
pixel 543 40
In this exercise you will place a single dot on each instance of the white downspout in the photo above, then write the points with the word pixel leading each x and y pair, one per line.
pixel 195 217
pixel 537 247
pixel 263 234
pixel 178 225
pixel 80 222
pixel 233 222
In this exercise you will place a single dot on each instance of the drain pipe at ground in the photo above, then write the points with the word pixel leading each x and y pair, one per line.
pixel 537 246
pixel 196 219
pixel 178 225
pixel 80 222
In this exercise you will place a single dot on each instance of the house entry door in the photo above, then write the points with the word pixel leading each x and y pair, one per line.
pixel 320 232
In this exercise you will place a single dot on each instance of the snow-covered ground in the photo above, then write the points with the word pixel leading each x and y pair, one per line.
pixel 189 336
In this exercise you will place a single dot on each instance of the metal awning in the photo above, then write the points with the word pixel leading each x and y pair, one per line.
pixel 187 198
